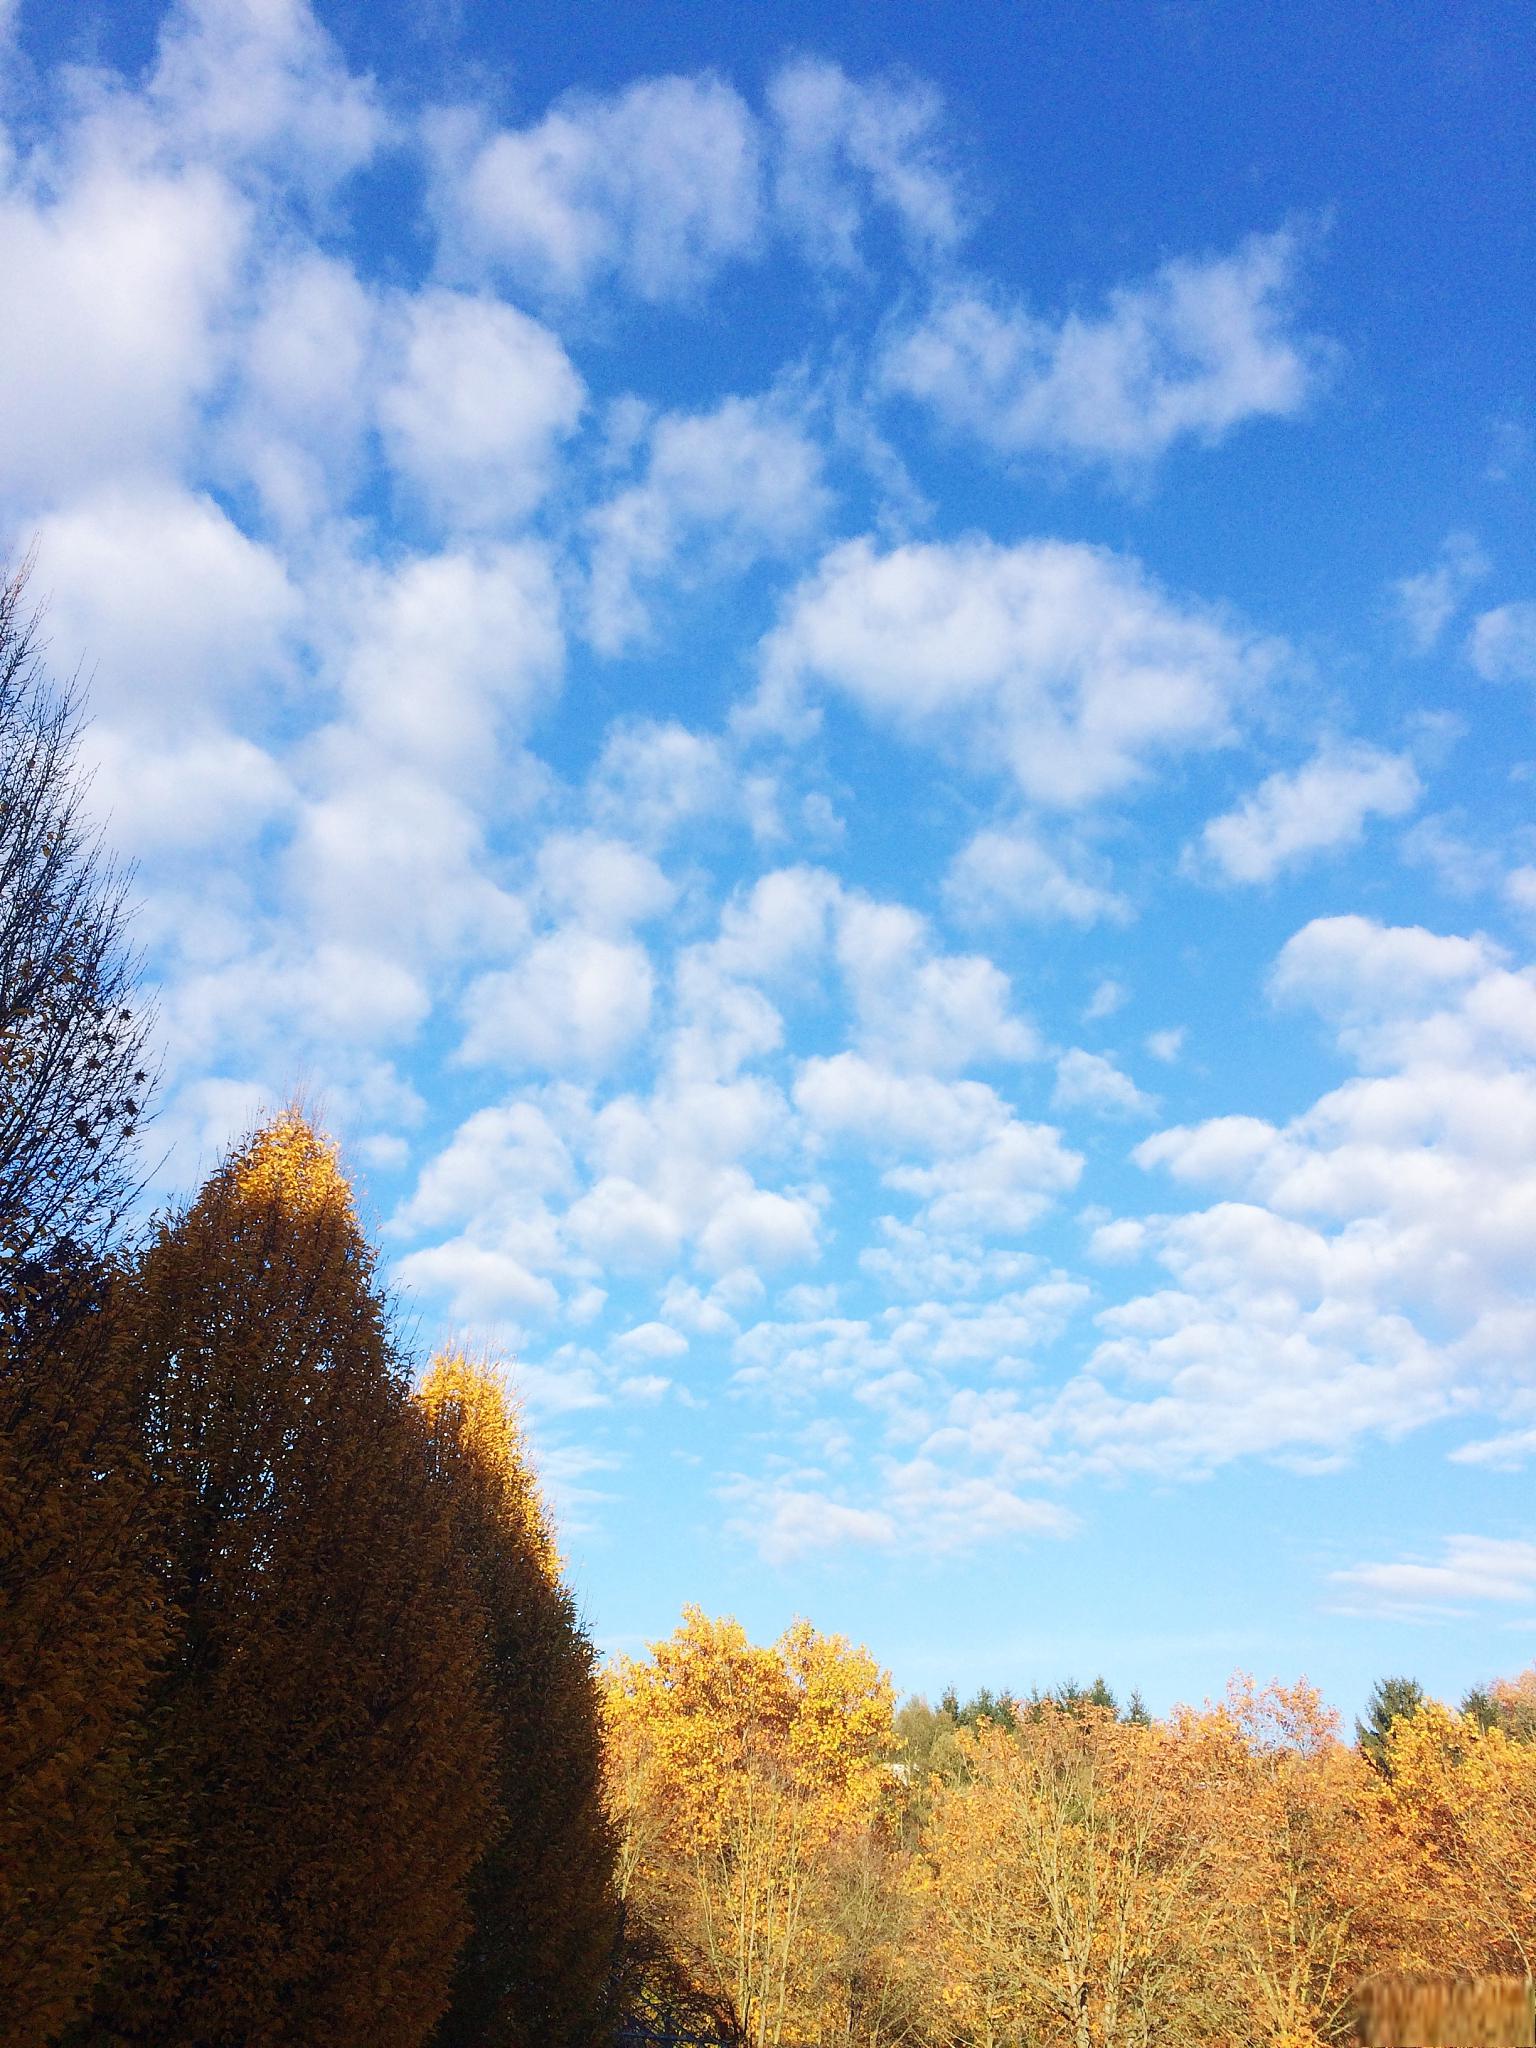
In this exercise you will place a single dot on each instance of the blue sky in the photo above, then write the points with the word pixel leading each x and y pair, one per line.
pixel 854 688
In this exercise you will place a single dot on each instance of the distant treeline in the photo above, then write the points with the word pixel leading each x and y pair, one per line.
pixel 302 1744
pixel 1056 1870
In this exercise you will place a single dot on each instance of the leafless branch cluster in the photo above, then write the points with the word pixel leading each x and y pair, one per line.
pixel 73 1067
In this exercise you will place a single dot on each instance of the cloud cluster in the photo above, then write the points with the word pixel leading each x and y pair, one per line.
pixel 1321 806
pixel 1193 351
pixel 674 1064
pixel 1362 1271
pixel 662 184
pixel 1063 665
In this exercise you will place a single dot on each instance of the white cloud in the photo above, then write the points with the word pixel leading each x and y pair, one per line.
pixel 1108 996
pixel 1457 862
pixel 211 789
pixel 566 1385
pixel 844 145
pixel 603 884
pixel 451 653
pixel 847 1095
pixel 1502 646
pixel 655 775
pixel 1427 603
pixel 1509 1451
pixel 477 1282
pixel 1471 1569
pixel 987 1173
pixel 921 1009
pixel 657 185
pixel 1398 994
pixel 1201 346
pixel 307 382
pixel 913 1006
pixel 1088 1080
pixel 172 611
pixel 625 1225
pixel 719 490
pixel 651 1340
pixel 386 855
pixel 1167 1044
pixel 1001 1189
pixel 1365 1269
pixel 1008 872
pixel 1059 663
pixel 573 1002
pixel 508 1153
pixel 787 1521
pixel 115 339
pixel 752 1227
pixel 481 401
pixel 259 82
pixel 1320 807
pixel 780 927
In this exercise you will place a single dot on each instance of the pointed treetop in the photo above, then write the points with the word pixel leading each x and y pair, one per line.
pixel 484 1420
pixel 288 1160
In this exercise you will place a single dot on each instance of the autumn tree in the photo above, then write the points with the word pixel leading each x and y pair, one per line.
pixel 79 1631
pixel 1461 1801
pixel 1066 1874
pixel 1507 1703
pixel 741 1778
pixel 536 1965
pixel 319 1755
pixel 78 1625
pixel 1310 1897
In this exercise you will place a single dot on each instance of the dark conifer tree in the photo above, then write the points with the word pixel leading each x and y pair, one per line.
pixel 319 1756
pixel 535 1972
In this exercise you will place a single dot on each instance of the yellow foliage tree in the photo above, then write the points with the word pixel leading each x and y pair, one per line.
pixel 739 1777
pixel 319 1753
pixel 536 1964
pixel 1067 1878
pixel 1461 1800
pixel 80 1628
pixel 1301 1863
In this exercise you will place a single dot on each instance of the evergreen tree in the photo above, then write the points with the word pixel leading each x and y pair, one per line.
pixel 1508 1704
pixel 536 1965
pixel 319 1755
pixel 1390 1700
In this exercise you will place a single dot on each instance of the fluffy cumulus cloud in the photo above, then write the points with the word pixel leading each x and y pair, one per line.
pixel 1317 808
pixel 843 144
pixel 1199 347
pixel 482 396
pixel 1091 1080
pixel 717 490
pixel 1502 646
pixel 656 185
pixel 1061 664
pixel 659 186
pixel 1011 871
